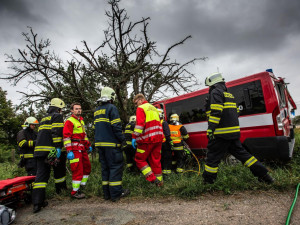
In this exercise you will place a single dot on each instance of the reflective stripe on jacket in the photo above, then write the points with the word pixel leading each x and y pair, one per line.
pixel 175 133
pixel 148 128
pixel 75 137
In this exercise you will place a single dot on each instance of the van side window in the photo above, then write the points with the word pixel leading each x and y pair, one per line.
pixel 189 110
pixel 249 98
pixel 280 90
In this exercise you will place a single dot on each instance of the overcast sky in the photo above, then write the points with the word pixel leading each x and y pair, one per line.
pixel 239 37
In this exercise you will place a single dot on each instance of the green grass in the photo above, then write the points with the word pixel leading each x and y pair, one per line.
pixel 188 185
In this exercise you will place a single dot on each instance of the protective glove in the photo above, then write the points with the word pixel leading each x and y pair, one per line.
pixel 90 149
pixel 123 145
pixel 210 135
pixel 133 142
pixel 58 152
pixel 70 155
pixel 187 151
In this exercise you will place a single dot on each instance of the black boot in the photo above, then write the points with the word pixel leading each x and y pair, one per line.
pixel 38 207
pixel 124 193
pixel 267 179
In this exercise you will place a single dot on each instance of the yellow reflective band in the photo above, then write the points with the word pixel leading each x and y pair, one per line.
pixel 105 182
pixel 179 170
pixel 40 185
pixel 128 142
pixel 159 177
pixel 26 156
pixel 75 185
pixel 101 120
pixel 22 143
pixel 216 107
pixel 140 150
pixel 115 183
pixel 250 161
pixel 59 180
pixel 74 160
pixel 128 131
pixel 166 171
pixel 107 144
pixel 227 130
pixel 211 169
pixel 146 171
pixel 46 119
pixel 138 130
pixel 186 136
pixel 214 119
pixel 116 121
pixel 45 127
pixel 208 112
pixel 57 139
pixel 30 143
pixel 43 148
pixel 178 148
pixel 84 180
pixel 55 125
pixel 228 105
pixel 67 142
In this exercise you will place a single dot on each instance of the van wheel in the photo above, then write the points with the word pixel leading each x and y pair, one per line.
pixel 230 160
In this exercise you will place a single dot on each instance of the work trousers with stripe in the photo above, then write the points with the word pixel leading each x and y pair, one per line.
pixel 130 152
pixel 166 158
pixel 81 169
pixel 179 156
pixel 43 175
pixel 149 152
pixel 217 149
pixel 30 166
pixel 112 162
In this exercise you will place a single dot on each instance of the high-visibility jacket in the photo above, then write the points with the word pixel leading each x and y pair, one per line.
pixel 75 137
pixel 26 140
pixel 128 132
pixel 50 134
pixel 178 132
pixel 108 128
pixel 222 113
pixel 148 128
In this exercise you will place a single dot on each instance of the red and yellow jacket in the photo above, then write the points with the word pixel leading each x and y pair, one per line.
pixel 148 128
pixel 75 138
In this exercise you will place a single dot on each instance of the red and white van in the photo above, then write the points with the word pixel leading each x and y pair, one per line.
pixel 265 106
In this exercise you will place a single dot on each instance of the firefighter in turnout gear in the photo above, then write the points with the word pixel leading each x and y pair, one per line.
pixel 147 138
pixel 128 149
pixel 26 140
pixel 48 152
pixel 108 141
pixel 224 132
pixel 166 153
pixel 78 147
pixel 178 133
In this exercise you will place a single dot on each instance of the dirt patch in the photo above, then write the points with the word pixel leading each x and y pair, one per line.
pixel 241 208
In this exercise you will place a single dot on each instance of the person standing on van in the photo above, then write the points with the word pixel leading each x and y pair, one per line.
pixel 147 138
pixel 224 132
pixel 166 152
pixel 178 134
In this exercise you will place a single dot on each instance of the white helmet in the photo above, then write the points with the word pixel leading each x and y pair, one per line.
pixel 30 120
pixel 213 79
pixel 57 102
pixel 107 94
pixel 161 113
pixel 174 117
pixel 132 119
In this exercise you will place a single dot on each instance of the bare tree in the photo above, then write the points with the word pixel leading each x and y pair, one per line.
pixel 126 60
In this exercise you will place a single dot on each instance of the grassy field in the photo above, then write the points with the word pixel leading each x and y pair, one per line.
pixel 187 185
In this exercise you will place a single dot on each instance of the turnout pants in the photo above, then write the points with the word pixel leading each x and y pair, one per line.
pixel 81 169
pixel 30 166
pixel 179 157
pixel 112 162
pixel 149 152
pixel 130 152
pixel 166 158
pixel 43 175
pixel 216 151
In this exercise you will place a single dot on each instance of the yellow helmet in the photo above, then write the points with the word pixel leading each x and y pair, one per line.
pixel 107 94
pixel 57 102
pixel 174 117
pixel 30 120
pixel 132 119
pixel 213 79
pixel 161 113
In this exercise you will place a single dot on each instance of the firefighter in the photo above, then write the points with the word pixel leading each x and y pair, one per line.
pixel 78 147
pixel 128 149
pixel 108 141
pixel 147 139
pixel 48 152
pixel 178 134
pixel 166 153
pixel 26 140
pixel 223 132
